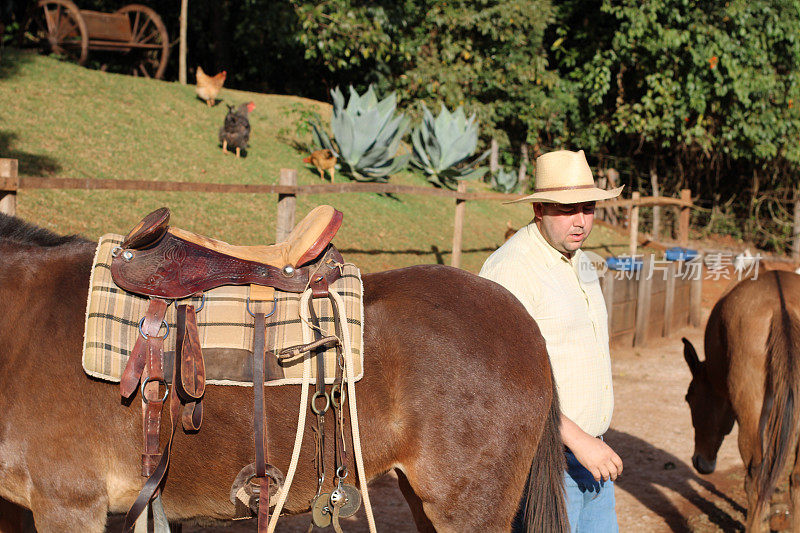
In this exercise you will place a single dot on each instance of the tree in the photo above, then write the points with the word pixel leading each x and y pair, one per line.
pixel 707 88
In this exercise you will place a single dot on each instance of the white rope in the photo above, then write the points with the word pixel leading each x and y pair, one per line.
pixel 301 419
pixel 351 396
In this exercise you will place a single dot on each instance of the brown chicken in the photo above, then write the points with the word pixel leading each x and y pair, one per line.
pixel 208 87
pixel 322 160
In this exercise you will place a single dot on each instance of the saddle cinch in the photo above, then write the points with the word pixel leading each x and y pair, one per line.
pixel 166 263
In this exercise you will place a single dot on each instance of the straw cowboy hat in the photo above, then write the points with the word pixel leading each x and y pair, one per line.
pixel 564 177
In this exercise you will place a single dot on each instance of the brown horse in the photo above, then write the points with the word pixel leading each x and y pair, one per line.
pixel 751 375
pixel 457 397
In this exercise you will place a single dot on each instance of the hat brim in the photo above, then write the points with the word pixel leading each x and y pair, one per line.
pixel 570 196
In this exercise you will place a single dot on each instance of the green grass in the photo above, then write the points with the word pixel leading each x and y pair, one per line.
pixel 59 119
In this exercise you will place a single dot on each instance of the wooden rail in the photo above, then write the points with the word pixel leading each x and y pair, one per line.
pixel 287 190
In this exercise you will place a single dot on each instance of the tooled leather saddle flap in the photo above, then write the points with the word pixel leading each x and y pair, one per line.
pixel 174 268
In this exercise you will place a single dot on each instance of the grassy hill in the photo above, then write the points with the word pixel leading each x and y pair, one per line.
pixel 59 119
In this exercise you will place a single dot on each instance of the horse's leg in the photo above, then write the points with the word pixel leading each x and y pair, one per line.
pixel 479 492
pixel 748 448
pixel 420 519
pixel 69 508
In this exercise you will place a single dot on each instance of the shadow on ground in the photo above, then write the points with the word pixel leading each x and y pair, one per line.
pixel 649 470
pixel 29 164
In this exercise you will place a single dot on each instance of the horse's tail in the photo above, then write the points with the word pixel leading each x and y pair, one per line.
pixel 545 510
pixel 780 415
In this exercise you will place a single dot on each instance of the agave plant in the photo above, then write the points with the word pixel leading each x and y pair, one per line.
pixel 366 135
pixel 443 145
pixel 504 181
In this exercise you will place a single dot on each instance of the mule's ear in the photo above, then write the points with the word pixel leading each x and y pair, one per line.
pixel 690 354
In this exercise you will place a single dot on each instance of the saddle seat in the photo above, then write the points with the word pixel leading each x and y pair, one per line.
pixel 303 244
pixel 157 260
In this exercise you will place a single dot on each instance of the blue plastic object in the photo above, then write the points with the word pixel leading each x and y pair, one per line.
pixel 680 254
pixel 623 263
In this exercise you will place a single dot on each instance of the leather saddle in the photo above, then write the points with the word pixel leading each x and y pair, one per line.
pixel 160 261
pixel 166 264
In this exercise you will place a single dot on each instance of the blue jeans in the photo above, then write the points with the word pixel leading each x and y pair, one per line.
pixel 590 504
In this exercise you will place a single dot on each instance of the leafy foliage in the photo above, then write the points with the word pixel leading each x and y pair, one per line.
pixel 443 144
pixel 504 181
pixel 703 93
pixel 367 135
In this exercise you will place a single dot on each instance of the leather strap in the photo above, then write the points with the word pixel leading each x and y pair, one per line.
pixel 190 378
pixel 261 451
pixel 153 483
pixel 319 431
pixel 136 361
pixel 339 451
pixel 152 399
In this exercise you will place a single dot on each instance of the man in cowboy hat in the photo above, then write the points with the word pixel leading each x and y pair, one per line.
pixel 544 267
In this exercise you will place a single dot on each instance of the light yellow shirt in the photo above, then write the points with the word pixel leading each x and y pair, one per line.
pixel 564 297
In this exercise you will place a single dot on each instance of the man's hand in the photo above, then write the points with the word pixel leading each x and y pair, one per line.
pixel 591 452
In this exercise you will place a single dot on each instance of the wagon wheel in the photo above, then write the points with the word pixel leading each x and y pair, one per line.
pixel 56 26
pixel 150 40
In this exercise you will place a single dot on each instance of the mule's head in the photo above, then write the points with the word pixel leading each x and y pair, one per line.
pixel 712 416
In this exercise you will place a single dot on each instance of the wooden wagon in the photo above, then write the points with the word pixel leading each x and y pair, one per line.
pixel 58 26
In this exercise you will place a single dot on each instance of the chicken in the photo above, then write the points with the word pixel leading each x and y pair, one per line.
pixel 235 132
pixel 208 87
pixel 322 160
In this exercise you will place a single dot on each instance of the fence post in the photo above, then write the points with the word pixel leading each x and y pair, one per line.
pixel 683 221
pixel 494 156
pixel 182 45
pixel 796 226
pixel 286 205
pixel 607 286
pixel 522 177
pixel 633 224
pixel 669 300
pixel 458 226
pixel 656 208
pixel 643 301
pixel 9 183
pixel 696 295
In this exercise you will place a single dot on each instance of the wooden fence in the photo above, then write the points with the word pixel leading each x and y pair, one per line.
pixel 654 301
pixel 287 191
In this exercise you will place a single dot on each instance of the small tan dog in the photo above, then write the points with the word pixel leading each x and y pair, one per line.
pixel 322 160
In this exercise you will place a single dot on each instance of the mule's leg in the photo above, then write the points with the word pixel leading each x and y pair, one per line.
pixel 69 511
pixel 420 519
pixel 467 496
pixel 751 457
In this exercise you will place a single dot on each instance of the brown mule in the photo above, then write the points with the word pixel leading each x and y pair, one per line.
pixel 751 375
pixel 457 396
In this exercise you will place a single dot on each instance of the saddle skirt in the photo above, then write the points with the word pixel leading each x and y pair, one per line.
pixel 225 327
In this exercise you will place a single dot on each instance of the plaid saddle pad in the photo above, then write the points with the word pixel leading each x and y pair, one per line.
pixel 226 328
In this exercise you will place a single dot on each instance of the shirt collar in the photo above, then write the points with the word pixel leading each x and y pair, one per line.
pixel 552 256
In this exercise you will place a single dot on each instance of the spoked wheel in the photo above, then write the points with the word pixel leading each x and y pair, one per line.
pixel 56 26
pixel 150 41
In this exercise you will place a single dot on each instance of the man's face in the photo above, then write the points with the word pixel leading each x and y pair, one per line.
pixel 565 226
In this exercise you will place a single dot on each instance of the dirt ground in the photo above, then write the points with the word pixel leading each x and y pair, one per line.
pixel 652 432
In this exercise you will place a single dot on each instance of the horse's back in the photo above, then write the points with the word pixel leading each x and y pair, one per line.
pixel 451 317
pixel 739 323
